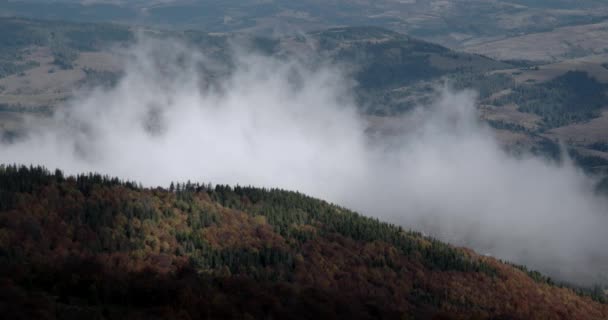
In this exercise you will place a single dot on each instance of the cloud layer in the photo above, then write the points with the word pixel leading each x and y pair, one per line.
pixel 282 123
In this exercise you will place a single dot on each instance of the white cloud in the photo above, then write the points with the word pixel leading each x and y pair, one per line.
pixel 280 123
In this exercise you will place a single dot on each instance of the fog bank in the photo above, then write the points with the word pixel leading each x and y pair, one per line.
pixel 282 123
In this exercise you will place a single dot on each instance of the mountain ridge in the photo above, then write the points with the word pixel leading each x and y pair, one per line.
pixel 93 244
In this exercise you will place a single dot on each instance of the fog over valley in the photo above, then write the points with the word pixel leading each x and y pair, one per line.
pixel 177 115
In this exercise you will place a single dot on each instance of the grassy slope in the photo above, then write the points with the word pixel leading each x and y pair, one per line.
pixel 51 58
pixel 71 246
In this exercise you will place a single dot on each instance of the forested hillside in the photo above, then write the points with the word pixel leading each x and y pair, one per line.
pixel 569 98
pixel 100 247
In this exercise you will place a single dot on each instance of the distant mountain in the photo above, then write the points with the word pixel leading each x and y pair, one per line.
pixel 42 62
pixel 99 247
pixel 452 23
pixel 70 53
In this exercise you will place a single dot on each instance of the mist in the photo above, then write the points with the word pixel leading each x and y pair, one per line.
pixel 177 115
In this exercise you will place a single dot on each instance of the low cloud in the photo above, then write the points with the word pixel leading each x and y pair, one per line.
pixel 176 116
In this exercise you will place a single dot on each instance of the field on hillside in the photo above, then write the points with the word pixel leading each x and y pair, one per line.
pixel 554 45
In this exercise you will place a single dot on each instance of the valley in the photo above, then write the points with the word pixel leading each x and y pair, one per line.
pixel 392 159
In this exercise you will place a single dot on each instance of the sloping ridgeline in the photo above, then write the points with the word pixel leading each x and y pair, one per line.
pixel 100 247
pixel 385 61
pixel 572 97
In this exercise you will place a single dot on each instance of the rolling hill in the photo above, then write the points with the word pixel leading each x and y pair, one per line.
pixel 91 245
pixel 452 23
pixel 53 59
pixel 549 46
pixel 42 63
